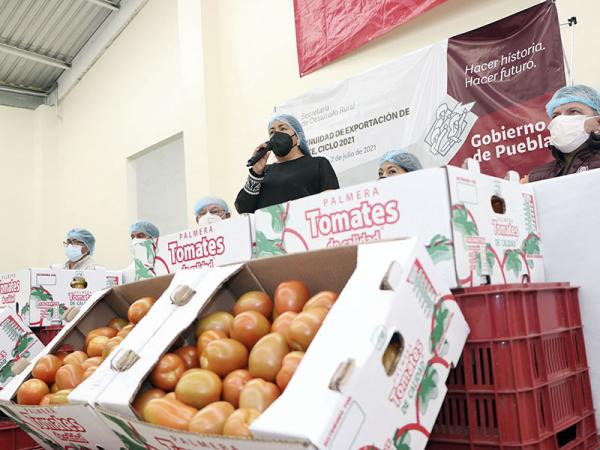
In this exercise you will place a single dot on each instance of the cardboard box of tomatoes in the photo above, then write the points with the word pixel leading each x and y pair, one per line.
pixel 478 229
pixel 41 296
pixel 339 348
pixel 37 398
pixel 225 242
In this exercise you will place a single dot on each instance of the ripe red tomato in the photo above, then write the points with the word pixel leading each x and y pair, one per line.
pixel 142 399
pixel 167 372
pixel 32 392
pixel 69 376
pixel 189 355
pixel 254 301
pixel 215 321
pixel 211 419
pixel 169 413
pixel 305 326
pixel 258 394
pixel 288 368
pixel 223 356
pixel 282 324
pixel 233 384
pixel 209 336
pixel 45 368
pixel 138 309
pixel 267 355
pixel 248 327
pixel 290 296
pixel 324 299
pixel 198 388
pixel 238 423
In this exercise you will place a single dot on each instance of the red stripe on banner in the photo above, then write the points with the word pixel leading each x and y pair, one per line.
pixel 328 29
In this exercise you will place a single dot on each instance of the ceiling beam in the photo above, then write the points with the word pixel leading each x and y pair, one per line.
pixel 105 4
pixel 16 90
pixel 33 56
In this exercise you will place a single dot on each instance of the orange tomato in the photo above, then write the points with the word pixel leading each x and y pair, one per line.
pixel 198 388
pixel 142 399
pixel 96 346
pixel 92 362
pixel 211 419
pixel 209 336
pixel 254 301
pixel 223 356
pixel 117 323
pixel 60 397
pixel 189 355
pixel 233 384
pixel 248 327
pixel 110 346
pixel 288 368
pixel 215 321
pixel 138 309
pixel 167 372
pixel 53 389
pixel 238 423
pixel 290 296
pixel 69 376
pixel 168 413
pixel 45 401
pixel 88 372
pixel 282 324
pixel 267 355
pixel 45 368
pixel 125 331
pixel 109 332
pixel 258 394
pixel 324 299
pixel 305 326
pixel 77 357
pixel 32 392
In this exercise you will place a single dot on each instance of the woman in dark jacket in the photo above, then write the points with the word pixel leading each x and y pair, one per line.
pixel 294 174
pixel 574 132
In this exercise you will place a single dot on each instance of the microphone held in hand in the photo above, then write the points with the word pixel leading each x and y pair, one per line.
pixel 259 154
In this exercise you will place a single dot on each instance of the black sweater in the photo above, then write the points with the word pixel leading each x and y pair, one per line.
pixel 286 181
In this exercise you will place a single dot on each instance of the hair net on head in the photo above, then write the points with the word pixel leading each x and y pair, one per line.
pixel 407 161
pixel 295 124
pixel 205 201
pixel 84 236
pixel 576 93
pixel 143 226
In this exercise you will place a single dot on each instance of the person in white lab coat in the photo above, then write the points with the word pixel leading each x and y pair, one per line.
pixel 79 248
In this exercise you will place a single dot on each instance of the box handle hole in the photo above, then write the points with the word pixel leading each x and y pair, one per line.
pixel 498 204
pixel 392 353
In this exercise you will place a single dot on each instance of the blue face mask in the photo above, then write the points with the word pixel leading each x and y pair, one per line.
pixel 73 252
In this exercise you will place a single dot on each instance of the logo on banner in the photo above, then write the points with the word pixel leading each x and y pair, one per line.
pixel 450 128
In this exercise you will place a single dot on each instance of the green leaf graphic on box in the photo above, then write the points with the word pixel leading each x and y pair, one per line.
pixel 513 261
pixel 402 442
pixel 277 213
pixel 141 271
pixel 439 325
pixel 462 223
pixel 61 310
pixel 6 371
pixel 149 249
pixel 267 247
pixel 428 389
pixel 131 439
pixel 22 343
pixel 440 248
pixel 27 429
pixel 25 313
pixel 531 245
pixel 40 294
pixel 489 257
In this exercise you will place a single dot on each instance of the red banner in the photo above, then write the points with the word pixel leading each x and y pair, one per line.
pixel 328 29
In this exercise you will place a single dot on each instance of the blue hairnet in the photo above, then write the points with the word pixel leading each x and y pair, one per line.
pixel 576 93
pixel 205 201
pixel 84 236
pixel 143 226
pixel 295 124
pixel 407 161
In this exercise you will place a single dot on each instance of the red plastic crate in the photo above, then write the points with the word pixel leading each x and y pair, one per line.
pixel 46 334
pixel 518 310
pixel 13 438
pixel 518 363
pixel 581 435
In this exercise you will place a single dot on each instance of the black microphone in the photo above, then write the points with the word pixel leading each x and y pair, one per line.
pixel 259 154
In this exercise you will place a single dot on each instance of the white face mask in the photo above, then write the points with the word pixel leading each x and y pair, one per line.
pixel 567 133
pixel 134 243
pixel 209 218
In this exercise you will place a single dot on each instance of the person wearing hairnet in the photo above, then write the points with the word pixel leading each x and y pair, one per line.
pixel 294 174
pixel 79 248
pixel 574 132
pixel 397 162
pixel 210 210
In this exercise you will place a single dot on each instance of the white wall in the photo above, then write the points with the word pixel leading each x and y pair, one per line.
pixel 212 70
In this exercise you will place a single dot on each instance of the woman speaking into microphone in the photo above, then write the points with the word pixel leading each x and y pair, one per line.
pixel 293 175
